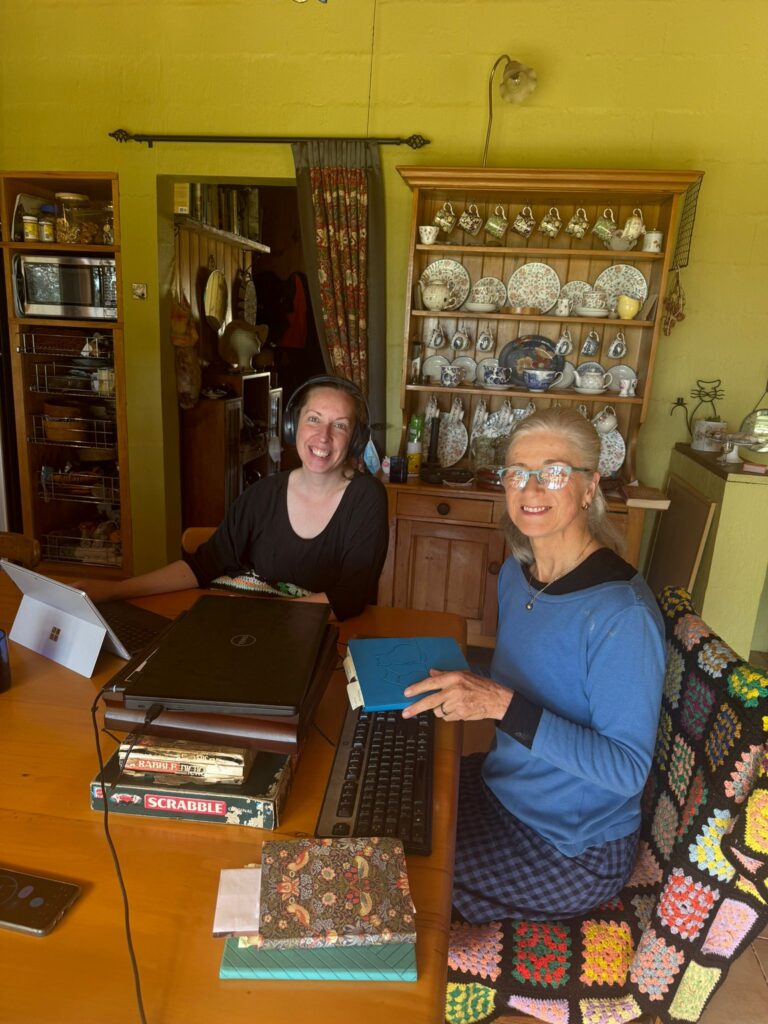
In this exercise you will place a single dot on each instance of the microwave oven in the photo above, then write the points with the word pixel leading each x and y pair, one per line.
pixel 72 287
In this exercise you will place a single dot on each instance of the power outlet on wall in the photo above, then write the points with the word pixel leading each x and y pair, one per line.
pixel 139 291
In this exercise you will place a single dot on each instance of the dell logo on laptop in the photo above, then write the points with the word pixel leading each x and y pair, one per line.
pixel 243 640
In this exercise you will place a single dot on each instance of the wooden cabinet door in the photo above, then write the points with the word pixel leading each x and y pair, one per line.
pixel 450 568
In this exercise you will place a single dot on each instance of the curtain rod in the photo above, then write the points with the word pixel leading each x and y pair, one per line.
pixel 121 135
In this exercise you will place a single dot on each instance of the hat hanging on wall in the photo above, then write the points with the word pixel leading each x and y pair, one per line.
pixel 517 83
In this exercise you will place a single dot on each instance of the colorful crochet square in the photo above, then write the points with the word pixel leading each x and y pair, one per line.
pixel 655 965
pixel 697 795
pixel 684 904
pixel 691 630
pixel 554 1011
pixel 730 925
pixel 648 799
pixel 706 851
pixel 665 823
pixel 643 909
pixel 698 701
pixel 646 870
pixel 696 986
pixel 681 762
pixel 748 685
pixel 672 599
pixel 715 656
pixel 663 740
pixel 756 832
pixel 673 676
pixel 609 905
pixel 607 952
pixel 468 1004
pixel 541 953
pixel 609 1011
pixel 475 949
pixel 723 734
pixel 743 774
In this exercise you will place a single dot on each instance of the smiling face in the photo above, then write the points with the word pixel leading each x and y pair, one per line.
pixel 537 512
pixel 326 422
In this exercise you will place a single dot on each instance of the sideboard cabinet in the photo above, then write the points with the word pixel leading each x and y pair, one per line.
pixel 447 558
pixel 68 368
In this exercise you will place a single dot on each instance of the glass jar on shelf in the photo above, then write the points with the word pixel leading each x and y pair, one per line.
pixel 46 225
pixel 95 222
pixel 30 227
pixel 68 207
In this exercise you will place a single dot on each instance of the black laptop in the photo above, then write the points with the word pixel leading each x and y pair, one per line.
pixel 232 656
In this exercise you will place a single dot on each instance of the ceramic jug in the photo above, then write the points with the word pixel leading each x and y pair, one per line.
pixel 435 295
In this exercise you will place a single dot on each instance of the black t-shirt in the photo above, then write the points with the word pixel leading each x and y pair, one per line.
pixel 344 561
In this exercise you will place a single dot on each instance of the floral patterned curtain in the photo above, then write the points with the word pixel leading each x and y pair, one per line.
pixel 341 211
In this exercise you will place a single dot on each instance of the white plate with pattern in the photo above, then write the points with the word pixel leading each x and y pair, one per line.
pixel 432 366
pixel 468 365
pixel 534 284
pixel 454 275
pixel 619 373
pixel 574 292
pixel 622 279
pixel 452 441
pixel 493 287
pixel 613 451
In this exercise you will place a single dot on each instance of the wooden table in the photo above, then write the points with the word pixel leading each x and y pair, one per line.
pixel 81 971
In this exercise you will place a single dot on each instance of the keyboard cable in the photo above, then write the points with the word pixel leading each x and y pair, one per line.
pixel 151 715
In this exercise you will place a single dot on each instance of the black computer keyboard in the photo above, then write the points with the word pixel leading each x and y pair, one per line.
pixel 381 780
pixel 136 627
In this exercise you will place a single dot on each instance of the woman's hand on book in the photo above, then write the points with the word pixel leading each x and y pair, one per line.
pixel 459 696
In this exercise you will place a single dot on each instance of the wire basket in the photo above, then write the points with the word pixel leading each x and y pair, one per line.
pixel 685 229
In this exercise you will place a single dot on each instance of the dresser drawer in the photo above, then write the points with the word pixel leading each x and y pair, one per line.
pixel 433 506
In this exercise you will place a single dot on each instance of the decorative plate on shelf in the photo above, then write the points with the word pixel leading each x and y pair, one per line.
pixel 619 373
pixel 622 279
pixel 432 366
pixel 534 284
pixel 468 365
pixel 574 292
pixel 453 274
pixel 452 441
pixel 491 289
pixel 589 391
pixel 587 311
pixel 613 451
pixel 531 352
pixel 569 376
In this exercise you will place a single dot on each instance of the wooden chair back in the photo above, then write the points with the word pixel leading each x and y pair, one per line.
pixel 194 536
pixel 18 547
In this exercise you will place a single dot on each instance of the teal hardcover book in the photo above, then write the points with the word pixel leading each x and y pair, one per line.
pixel 391 961
pixel 378 670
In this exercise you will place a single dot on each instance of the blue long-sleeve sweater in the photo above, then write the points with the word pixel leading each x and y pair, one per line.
pixel 593 660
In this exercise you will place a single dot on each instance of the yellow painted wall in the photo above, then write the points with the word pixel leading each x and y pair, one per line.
pixel 622 83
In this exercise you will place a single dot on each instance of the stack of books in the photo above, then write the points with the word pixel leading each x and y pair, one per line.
pixel 320 909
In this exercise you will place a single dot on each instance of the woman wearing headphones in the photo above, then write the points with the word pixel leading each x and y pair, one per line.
pixel 320 528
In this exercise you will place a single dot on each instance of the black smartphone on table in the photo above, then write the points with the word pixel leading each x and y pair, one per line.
pixel 32 903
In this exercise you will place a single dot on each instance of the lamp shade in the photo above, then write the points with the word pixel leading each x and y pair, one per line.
pixel 517 82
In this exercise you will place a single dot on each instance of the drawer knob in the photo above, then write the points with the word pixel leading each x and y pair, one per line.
pixel 494 568
pixel 443 508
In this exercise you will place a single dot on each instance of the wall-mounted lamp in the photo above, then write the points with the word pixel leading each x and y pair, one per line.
pixel 517 84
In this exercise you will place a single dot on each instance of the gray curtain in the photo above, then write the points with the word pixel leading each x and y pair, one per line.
pixel 341 214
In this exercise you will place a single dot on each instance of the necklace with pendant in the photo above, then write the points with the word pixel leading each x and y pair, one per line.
pixel 534 594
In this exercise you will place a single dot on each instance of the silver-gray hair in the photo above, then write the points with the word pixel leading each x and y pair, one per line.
pixel 581 436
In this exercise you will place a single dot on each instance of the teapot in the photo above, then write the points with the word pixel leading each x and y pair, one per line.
pixel 436 294
pixel 593 380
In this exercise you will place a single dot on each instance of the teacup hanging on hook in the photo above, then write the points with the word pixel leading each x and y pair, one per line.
pixel 618 347
pixel 591 344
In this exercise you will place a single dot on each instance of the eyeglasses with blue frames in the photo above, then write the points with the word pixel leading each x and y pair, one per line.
pixel 553 477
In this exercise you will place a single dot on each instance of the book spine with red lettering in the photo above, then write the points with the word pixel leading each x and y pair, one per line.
pixel 257 803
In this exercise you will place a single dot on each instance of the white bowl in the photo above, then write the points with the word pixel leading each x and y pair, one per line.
pixel 480 307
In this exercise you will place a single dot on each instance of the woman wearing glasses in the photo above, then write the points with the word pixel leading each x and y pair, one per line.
pixel 549 819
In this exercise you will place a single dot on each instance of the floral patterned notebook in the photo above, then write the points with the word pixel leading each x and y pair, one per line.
pixel 325 892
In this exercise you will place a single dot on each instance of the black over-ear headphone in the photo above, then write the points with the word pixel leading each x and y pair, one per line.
pixel 361 433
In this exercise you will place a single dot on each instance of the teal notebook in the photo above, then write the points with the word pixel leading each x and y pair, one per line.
pixel 378 670
pixel 391 961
